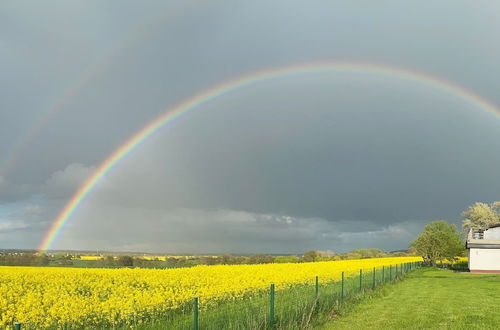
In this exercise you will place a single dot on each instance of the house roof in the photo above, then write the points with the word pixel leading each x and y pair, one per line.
pixel 494 226
pixel 487 244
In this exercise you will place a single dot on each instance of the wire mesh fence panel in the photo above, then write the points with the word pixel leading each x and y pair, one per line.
pixel 250 312
pixel 367 279
pixel 351 285
pixel 378 277
pixel 295 304
pixel 329 297
pixel 179 318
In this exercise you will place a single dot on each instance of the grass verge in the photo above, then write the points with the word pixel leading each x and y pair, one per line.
pixel 429 298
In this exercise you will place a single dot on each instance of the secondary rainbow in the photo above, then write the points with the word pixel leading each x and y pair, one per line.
pixel 195 102
pixel 88 74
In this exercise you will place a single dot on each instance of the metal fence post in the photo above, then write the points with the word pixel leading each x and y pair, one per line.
pixel 17 326
pixel 342 291
pixel 390 273
pixel 271 307
pixel 195 313
pixel 383 274
pixel 373 284
pixel 317 287
pixel 360 280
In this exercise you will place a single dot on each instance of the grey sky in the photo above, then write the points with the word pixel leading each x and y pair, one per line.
pixel 325 161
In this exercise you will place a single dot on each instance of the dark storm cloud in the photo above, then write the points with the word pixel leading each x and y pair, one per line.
pixel 219 231
pixel 355 160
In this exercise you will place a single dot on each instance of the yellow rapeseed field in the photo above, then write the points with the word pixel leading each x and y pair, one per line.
pixel 90 257
pixel 162 258
pixel 75 297
pixel 458 259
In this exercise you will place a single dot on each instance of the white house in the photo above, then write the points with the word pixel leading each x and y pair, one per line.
pixel 484 250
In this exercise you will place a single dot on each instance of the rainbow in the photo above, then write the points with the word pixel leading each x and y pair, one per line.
pixel 195 102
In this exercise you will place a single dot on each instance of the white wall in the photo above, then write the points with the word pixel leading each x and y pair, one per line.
pixel 492 233
pixel 484 259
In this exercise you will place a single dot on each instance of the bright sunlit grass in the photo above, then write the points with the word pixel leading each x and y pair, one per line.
pixel 429 299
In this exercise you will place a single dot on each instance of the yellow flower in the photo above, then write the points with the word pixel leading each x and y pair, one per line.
pixel 43 297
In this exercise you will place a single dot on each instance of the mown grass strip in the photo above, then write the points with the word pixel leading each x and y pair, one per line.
pixel 428 299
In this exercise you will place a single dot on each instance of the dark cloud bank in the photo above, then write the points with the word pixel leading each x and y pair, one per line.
pixel 318 161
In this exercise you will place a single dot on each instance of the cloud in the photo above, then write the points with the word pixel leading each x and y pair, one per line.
pixel 188 230
pixel 12 226
pixel 396 235
pixel 216 231
pixel 65 182
pixel 319 160
pixel 11 192
pixel 33 209
pixel 23 224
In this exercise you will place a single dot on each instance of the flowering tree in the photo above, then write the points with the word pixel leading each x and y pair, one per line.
pixel 480 216
pixel 439 240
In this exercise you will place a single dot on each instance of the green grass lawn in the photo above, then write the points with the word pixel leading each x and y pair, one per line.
pixel 428 299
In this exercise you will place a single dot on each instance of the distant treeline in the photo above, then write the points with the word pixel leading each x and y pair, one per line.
pixel 24 259
pixel 309 256
pixel 33 259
